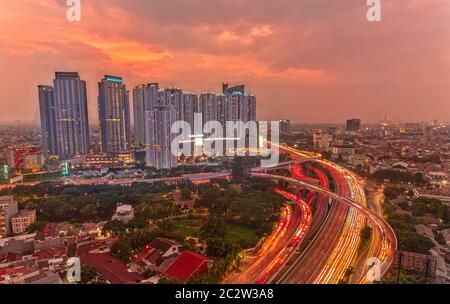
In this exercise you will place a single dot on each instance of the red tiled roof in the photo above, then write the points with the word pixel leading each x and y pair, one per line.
pixel 186 266
pixel 111 268
pixel 50 253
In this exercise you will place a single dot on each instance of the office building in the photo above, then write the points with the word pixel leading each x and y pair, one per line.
pixel 353 125
pixel 144 99
pixel 172 97
pixel 71 115
pixel 222 108
pixel 8 209
pixel 114 115
pixel 159 137
pixel 251 107
pixel 285 126
pixel 191 106
pixel 209 107
pixel 241 107
pixel 48 121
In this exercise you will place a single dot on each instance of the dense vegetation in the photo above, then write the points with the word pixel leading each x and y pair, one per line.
pixel 229 216
pixel 399 177
pixel 405 277
pixel 403 225
pixel 78 204
pixel 252 204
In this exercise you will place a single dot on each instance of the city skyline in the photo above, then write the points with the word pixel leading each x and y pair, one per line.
pixel 322 61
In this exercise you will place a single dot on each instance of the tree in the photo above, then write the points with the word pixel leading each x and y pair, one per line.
pixel 122 250
pixel 148 274
pixel 115 227
pixel 186 194
pixel 411 241
pixel 406 277
pixel 215 227
pixel 36 226
pixel 419 179
pixel 404 205
pixel 89 275
pixel 168 281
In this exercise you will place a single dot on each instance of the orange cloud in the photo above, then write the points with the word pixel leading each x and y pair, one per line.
pixel 123 50
pixel 249 38
pixel 248 67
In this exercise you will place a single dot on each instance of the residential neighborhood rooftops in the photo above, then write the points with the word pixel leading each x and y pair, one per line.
pixel 112 269
pixel 163 244
pixel 187 265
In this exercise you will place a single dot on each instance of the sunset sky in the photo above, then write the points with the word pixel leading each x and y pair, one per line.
pixel 305 60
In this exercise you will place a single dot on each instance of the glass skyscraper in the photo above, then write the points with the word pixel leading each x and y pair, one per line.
pixel 71 115
pixel 159 137
pixel 144 99
pixel 48 121
pixel 114 114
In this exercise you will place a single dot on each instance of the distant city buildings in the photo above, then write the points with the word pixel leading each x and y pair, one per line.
pixel 172 97
pixel 114 115
pixel 241 107
pixel 144 100
pixel 322 140
pixel 285 126
pixel 191 106
pixel 48 120
pixel 353 125
pixel 72 127
pixel 159 137
pixel 64 116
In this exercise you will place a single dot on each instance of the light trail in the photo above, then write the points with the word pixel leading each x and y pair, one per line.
pixel 280 245
pixel 384 240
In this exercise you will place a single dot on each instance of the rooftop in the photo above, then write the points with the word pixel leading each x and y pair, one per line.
pixel 185 266
pixel 112 269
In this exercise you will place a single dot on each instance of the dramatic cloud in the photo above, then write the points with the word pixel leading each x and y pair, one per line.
pixel 306 60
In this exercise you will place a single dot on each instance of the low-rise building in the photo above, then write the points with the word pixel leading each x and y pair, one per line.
pixel 25 157
pixel 344 151
pixel 186 266
pixel 322 140
pixel 359 160
pixel 22 220
pixel 109 160
pixel 124 213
